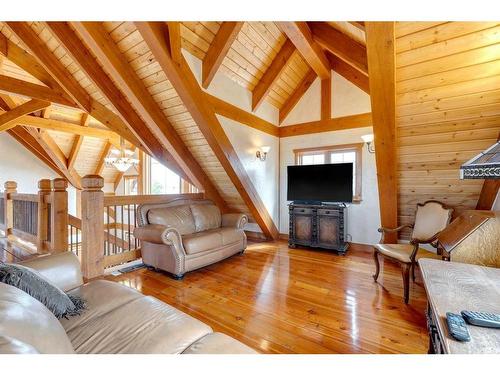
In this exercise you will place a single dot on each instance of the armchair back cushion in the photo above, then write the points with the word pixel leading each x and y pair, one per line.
pixel 206 216
pixel 431 218
pixel 178 217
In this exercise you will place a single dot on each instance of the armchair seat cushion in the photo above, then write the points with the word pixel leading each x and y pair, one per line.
pixel 402 252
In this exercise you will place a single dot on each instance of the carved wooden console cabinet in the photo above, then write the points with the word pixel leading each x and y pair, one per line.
pixel 318 225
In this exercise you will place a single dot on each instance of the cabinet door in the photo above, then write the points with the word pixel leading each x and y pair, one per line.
pixel 303 228
pixel 328 231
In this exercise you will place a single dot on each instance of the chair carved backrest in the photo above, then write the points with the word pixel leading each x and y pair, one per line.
pixel 431 218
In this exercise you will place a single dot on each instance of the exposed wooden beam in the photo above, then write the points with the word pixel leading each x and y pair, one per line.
pixel 27 62
pixel 94 71
pixel 102 158
pixel 301 36
pixel 66 127
pixel 293 99
pixel 174 37
pixel 51 66
pixel 221 44
pixel 338 123
pixel 94 35
pixel 10 119
pixel 359 24
pixel 340 45
pixel 32 90
pixel 237 114
pixel 272 74
pixel 77 143
pixel 326 98
pixel 380 40
pixel 184 82
pixel 348 72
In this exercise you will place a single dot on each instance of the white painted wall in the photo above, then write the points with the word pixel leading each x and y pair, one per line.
pixel 18 164
pixel 246 141
pixel 347 99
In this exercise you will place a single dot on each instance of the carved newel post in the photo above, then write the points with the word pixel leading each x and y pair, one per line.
pixel 44 190
pixel 10 187
pixel 59 215
pixel 92 206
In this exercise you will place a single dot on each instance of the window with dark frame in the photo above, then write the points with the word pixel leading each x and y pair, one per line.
pixel 349 153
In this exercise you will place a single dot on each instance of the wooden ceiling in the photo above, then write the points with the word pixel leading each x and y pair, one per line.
pixel 78 86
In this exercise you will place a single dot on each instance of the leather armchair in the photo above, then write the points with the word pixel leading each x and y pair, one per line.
pixel 184 235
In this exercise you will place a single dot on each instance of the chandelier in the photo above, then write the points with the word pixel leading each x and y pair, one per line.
pixel 121 159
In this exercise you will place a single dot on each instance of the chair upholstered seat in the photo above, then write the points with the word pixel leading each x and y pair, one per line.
pixel 402 252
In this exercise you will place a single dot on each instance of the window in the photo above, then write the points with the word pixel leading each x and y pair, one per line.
pixel 334 155
pixel 161 180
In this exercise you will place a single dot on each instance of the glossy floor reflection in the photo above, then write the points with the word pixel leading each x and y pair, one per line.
pixel 281 300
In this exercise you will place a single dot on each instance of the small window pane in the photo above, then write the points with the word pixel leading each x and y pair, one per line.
pixel 349 157
pixel 337 158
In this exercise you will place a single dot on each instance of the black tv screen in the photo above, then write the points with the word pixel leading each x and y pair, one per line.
pixel 320 183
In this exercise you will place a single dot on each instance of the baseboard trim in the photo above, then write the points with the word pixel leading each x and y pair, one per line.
pixel 256 236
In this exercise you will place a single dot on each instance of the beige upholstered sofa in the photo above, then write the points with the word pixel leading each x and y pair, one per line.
pixel 183 235
pixel 118 319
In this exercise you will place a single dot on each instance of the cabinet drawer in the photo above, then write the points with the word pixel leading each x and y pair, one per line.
pixel 302 210
pixel 328 212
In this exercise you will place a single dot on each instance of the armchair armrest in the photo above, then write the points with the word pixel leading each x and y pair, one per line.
pixel 62 269
pixel 234 220
pixel 160 234
pixel 384 230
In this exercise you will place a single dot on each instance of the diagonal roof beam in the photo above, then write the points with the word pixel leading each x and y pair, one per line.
pixel 301 36
pixel 293 99
pixel 358 24
pixel 221 44
pixel 340 45
pixel 52 66
pixel 108 54
pixel 272 74
pixel 183 80
pixel 101 162
pixel 348 72
pixel 10 119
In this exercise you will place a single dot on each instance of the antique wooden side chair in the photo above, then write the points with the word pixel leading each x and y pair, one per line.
pixel 430 219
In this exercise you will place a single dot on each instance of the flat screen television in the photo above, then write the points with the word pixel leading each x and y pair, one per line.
pixel 320 183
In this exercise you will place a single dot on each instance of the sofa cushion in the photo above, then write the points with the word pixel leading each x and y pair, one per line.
pixel 144 325
pixel 179 217
pixel 27 320
pixel 218 343
pixel 231 235
pixel 206 216
pixel 202 241
pixel 101 297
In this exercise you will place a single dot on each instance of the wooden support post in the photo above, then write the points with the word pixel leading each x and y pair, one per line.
pixel 10 187
pixel 59 216
pixel 44 190
pixel 92 226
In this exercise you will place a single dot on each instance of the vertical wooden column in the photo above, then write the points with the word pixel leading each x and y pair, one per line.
pixel 10 187
pixel 59 216
pixel 326 98
pixel 380 45
pixel 44 191
pixel 92 226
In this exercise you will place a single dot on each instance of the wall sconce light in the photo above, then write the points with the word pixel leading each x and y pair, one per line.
pixel 262 153
pixel 368 139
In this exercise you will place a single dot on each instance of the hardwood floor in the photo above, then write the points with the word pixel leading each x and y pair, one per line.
pixel 281 300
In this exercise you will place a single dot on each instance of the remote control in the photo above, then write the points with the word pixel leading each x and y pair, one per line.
pixel 457 327
pixel 482 319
